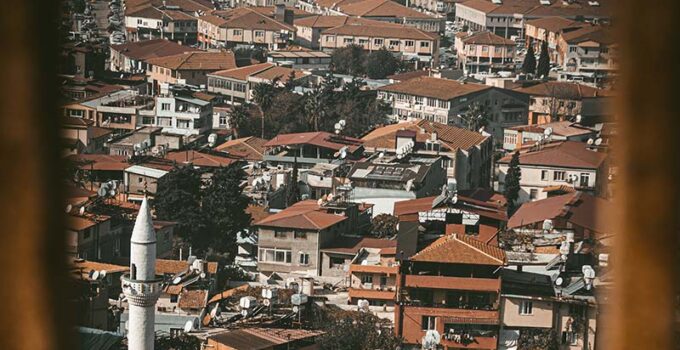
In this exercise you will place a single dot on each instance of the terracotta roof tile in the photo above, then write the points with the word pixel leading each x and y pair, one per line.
pixel 318 138
pixel 242 73
pixel 555 24
pixel 200 159
pixel 452 137
pixel 302 215
pixel 487 38
pixel 564 90
pixel 251 147
pixel 352 245
pixel 568 154
pixel 248 18
pixel 198 60
pixel 142 50
pixel 381 8
pixel 380 30
pixel 443 89
pixel 460 249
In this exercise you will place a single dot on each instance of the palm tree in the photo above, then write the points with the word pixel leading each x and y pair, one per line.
pixel 263 95
pixel 238 118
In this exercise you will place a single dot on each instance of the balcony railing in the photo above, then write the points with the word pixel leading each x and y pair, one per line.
pixel 453 283
pixel 456 305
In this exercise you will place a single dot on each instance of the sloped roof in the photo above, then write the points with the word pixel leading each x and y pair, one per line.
pixel 319 21
pixel 562 128
pixel 193 299
pixel 198 60
pixel 532 8
pixel 381 8
pixel 564 90
pixel 318 138
pixel 306 215
pixel 200 159
pixel 352 245
pixel 443 89
pixel 379 30
pixel 487 209
pixel 460 249
pixel 251 147
pixel 555 23
pixel 597 34
pixel 248 18
pixel 145 49
pixel 578 208
pixel 282 73
pixel 242 73
pixel 452 137
pixel 270 11
pixel 568 154
pixel 487 38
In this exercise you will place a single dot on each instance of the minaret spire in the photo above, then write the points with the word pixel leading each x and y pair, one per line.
pixel 141 287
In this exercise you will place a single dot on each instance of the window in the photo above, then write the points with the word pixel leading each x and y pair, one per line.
pixel 304 258
pixel 165 106
pixel 140 180
pixel 330 38
pixel 259 34
pixel 279 234
pixel 424 44
pixel 367 279
pixel 348 40
pixel 183 124
pixel 77 113
pixel 526 307
pixel 394 42
pixel 570 338
pixel 275 255
pixel 498 49
pixel 383 281
pixel 485 48
pixel 585 180
pixel 559 176
pixel 164 121
pixel 139 21
pixel 300 234
pixel 238 32
pixel 147 120
pixel 337 262
pixel 428 322
pixel 377 41
pixel 87 233
pixel 544 175
pixel 408 43
pixel 533 193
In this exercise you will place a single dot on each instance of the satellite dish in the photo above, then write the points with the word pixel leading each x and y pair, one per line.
pixel 244 313
pixel 202 275
pixel 431 339
pixel 591 141
pixel 81 212
pixel 266 302
pixel 69 207
pixel 578 118
pixel 342 122
pixel 91 273
pixel 177 280
pixel 559 281
pixel 102 273
pixel 598 142
pixel 188 326
pixel 547 225
pixel 296 308
pixel 215 311
pixel 95 275
pixel 548 131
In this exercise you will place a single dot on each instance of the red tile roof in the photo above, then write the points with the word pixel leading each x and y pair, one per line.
pixel 325 22
pixel 250 148
pixel 200 159
pixel 250 19
pixel 319 138
pixel 460 249
pixel 306 215
pixel 443 89
pixel 564 90
pixel 491 210
pixel 452 137
pixel 352 245
pixel 561 128
pixel 142 50
pixel 197 60
pixel 487 38
pixel 579 208
pixel 381 8
pixel 567 154
pixel 242 73
pixel 555 24
pixel 381 31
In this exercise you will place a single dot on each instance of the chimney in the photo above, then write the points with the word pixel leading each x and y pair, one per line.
pixel 279 12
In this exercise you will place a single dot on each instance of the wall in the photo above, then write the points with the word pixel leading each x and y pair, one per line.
pixel 308 245
pixel 531 179
pixel 541 316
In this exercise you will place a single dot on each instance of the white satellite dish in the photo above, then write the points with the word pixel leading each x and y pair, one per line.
pixel 202 275
pixel 102 273
pixel 547 225
pixel 188 326
pixel 598 142
pixel 342 122
pixel 431 339
pixel 548 131
pixel 95 275
pixel 177 280
pixel 266 302
pixel 559 281
pixel 591 141
pixel 578 118
pixel 81 211
pixel 69 207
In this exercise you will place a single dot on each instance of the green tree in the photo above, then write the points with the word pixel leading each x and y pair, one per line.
pixel 178 198
pixel 349 60
pixel 180 342
pixel 529 64
pixel 384 225
pixel 352 330
pixel 543 67
pixel 381 63
pixel 537 339
pixel 263 95
pixel 511 187
pixel 224 208
pixel 239 118
pixel 292 188
pixel 475 117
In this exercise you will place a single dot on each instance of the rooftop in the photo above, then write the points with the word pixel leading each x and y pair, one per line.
pixel 142 50
pixel 380 30
pixel 200 159
pixel 250 148
pixel 486 38
pixel 564 90
pixel 555 24
pixel 198 60
pixel 245 17
pixel 461 249
pixel 451 137
pixel 306 215
pixel 443 89
pixel 351 245
pixel 567 154
pixel 562 128
pixel 533 9
pixel 319 138
pixel 380 8
pixel 490 209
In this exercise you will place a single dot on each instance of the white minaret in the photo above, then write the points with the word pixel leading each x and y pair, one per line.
pixel 141 287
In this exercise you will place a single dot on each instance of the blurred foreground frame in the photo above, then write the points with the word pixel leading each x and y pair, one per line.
pixel 643 314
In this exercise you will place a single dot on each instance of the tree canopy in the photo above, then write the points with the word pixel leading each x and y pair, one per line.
pixel 384 225
pixel 349 60
pixel 529 64
pixel 381 63
pixel 543 68
pixel 511 187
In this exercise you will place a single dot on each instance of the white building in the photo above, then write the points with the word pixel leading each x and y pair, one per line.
pixel 556 168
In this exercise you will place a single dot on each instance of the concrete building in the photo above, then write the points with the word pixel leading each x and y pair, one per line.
pixel 452 286
pixel 141 287
pixel 236 84
pixel 466 155
pixel 548 30
pixel 309 28
pixel 588 51
pixel 244 27
pixel 189 68
pixel 484 52
pixel 407 43
pixel 300 59
pixel 525 135
pixel 557 167
pixel 310 148
pixel 443 100
pixel 131 57
pixel 174 21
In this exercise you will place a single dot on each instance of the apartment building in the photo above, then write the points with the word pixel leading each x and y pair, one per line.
pixel 181 115
pixel 508 18
pixel 484 52
pixel 548 30
pixel 189 68
pixel 466 155
pixel 554 101
pixel 405 42
pixel 153 20
pixel 92 137
pixel 373 273
pixel 557 166
pixel 443 7
pixel 309 28
pixel 589 51
pixel 237 84
pixel 243 27
pixel 310 148
pixel 443 100
pixel 131 57
pixel 525 135
pixel 452 286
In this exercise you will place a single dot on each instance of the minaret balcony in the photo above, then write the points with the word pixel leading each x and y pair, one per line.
pixel 141 293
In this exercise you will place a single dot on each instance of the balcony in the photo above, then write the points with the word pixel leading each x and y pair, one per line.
pixel 387 270
pixel 469 341
pixel 355 293
pixel 452 315
pixel 453 283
